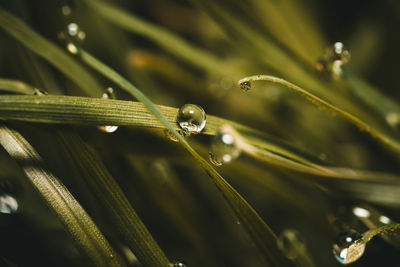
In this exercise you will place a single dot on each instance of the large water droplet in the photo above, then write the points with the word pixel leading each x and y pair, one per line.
pixel 179 264
pixel 8 204
pixel 245 86
pixel 223 148
pixel 333 59
pixel 343 246
pixel 191 118
pixel 108 94
pixel 290 243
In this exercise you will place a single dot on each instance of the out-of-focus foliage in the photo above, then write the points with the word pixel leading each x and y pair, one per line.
pixel 309 165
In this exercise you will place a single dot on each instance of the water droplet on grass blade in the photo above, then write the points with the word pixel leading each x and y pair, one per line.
pixel 347 247
pixel 223 148
pixel 290 243
pixel 108 94
pixel 179 264
pixel 191 118
pixel 245 86
pixel 8 204
pixel 39 92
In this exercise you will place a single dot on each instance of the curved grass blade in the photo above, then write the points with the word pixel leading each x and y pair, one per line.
pixel 128 223
pixel 76 221
pixel 389 141
pixel 260 233
pixel 16 86
pixel 164 38
pixel 49 51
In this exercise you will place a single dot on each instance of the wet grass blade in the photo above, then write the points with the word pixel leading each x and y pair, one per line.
pixel 387 140
pixel 76 221
pixel 128 223
pixel 49 51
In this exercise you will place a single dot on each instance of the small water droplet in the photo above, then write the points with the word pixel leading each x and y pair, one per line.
pixel 108 94
pixel 73 49
pixel 39 92
pixel 74 32
pixel 393 119
pixel 179 264
pixel 191 118
pixel 333 59
pixel 383 219
pixel 66 10
pixel 8 204
pixel 342 245
pixel 361 212
pixel 245 86
pixel 290 242
pixel 223 148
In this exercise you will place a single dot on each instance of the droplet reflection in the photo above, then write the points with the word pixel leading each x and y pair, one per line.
pixel 343 249
pixel 223 148
pixel 8 204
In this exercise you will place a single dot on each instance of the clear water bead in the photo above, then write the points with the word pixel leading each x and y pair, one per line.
pixel 333 59
pixel 8 204
pixel 290 243
pixel 191 118
pixel 179 264
pixel 108 94
pixel 223 148
pixel 342 246
pixel 245 86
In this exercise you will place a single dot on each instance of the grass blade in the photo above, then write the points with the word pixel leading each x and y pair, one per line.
pixel 76 221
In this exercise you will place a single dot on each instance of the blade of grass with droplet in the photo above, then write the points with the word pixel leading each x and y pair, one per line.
pixel 76 221
pixel 49 51
pixel 93 111
pixel 260 233
pixel 128 223
pixel 383 137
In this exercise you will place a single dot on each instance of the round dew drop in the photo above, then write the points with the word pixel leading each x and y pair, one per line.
pixel 342 245
pixel 191 118
pixel 245 86
pixel 223 149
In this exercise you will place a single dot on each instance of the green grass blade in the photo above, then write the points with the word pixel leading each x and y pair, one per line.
pixel 16 86
pixel 49 51
pixel 76 221
pixel 387 140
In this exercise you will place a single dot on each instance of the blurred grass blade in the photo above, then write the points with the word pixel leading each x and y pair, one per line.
pixel 90 241
pixel 259 231
pixel 165 39
pixel 389 141
pixel 16 86
pixel 126 220
pixel 49 51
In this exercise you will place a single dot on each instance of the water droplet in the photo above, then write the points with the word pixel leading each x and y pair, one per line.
pixel 383 219
pixel 108 94
pixel 333 59
pixel 72 37
pixel 8 204
pixel 191 118
pixel 179 264
pixel 39 92
pixel 223 148
pixel 245 86
pixel 75 32
pixel 343 248
pixel 290 243
pixel 73 49
pixel 66 10
pixel 361 212
pixel 393 119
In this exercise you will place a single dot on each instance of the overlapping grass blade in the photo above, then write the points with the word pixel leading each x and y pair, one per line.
pixel 16 86
pixel 49 51
pixel 126 220
pixel 76 221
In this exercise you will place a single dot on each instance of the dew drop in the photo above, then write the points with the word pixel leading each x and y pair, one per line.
pixel 66 10
pixel 223 148
pixel 361 212
pixel 333 59
pixel 179 264
pixel 393 119
pixel 191 118
pixel 74 32
pixel 108 94
pixel 290 243
pixel 343 248
pixel 245 86
pixel 8 204
pixel 39 92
